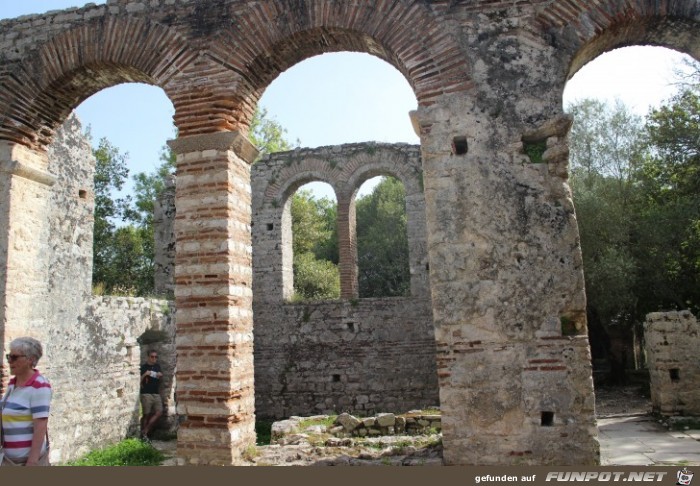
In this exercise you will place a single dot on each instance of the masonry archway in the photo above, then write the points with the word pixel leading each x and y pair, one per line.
pixel 501 232
pixel 367 355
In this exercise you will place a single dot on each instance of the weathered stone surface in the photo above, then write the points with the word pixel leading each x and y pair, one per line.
pixel 672 340
pixel 501 235
pixel 348 421
pixel 386 419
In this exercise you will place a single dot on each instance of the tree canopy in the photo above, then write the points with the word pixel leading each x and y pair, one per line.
pixel 636 188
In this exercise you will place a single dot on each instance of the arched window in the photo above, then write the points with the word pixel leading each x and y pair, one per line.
pixel 382 241
pixel 314 211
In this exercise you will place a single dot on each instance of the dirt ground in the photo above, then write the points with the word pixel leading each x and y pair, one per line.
pixel 621 400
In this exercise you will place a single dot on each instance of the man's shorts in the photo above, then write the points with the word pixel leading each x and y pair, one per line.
pixel 151 403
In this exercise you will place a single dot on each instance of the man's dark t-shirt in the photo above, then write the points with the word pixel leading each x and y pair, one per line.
pixel 150 384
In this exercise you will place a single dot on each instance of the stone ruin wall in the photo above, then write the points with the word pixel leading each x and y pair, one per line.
pixel 92 344
pixel 672 341
pixel 352 354
pixel 505 264
pixel 357 355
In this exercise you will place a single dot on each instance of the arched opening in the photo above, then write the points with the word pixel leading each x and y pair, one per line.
pixel 636 228
pixel 382 239
pixel 314 242
pixel 344 97
pixel 94 181
pixel 355 100
pixel 128 126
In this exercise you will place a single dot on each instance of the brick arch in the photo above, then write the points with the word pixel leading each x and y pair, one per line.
pixel 39 93
pixel 291 182
pixel 588 29
pixel 266 38
pixel 386 162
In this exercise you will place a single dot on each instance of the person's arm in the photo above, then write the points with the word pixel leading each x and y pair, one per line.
pixel 144 373
pixel 40 427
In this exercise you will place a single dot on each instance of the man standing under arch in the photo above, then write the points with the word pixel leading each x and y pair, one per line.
pixel 151 403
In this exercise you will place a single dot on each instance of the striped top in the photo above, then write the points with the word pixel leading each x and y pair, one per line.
pixel 25 403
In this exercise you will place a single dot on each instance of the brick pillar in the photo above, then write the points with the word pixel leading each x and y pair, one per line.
pixel 213 297
pixel 347 247
pixel 25 187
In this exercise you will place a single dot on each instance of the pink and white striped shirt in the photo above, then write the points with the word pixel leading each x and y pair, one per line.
pixel 24 404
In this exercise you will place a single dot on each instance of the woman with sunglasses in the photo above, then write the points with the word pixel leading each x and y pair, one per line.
pixel 25 407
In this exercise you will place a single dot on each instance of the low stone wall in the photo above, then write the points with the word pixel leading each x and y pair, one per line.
pixel 345 425
pixel 672 340
pixel 93 366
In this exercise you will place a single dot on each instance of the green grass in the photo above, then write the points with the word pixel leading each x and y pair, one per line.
pixel 129 452
pixel 327 422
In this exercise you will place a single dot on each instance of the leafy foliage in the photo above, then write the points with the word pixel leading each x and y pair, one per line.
pixel 315 247
pixel 636 187
pixel 267 134
pixel 382 241
pixel 124 252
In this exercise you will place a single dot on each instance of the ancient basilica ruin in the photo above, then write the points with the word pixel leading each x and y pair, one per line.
pixel 494 331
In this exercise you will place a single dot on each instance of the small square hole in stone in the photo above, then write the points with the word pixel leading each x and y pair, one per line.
pixel 336 378
pixel 82 194
pixel 270 226
pixel 675 375
pixel 547 419
pixel 460 146
pixel 351 326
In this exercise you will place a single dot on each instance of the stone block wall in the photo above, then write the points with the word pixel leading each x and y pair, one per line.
pixel 93 366
pixel 92 345
pixel 358 355
pixel 672 341
pixel 363 357
pixel 276 177
pixel 350 355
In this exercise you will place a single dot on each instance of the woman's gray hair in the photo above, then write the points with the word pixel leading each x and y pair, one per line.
pixel 30 347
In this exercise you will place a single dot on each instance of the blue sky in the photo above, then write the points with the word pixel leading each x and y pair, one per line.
pixel 340 98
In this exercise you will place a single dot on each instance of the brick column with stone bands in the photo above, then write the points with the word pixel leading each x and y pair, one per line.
pixel 213 296
pixel 347 247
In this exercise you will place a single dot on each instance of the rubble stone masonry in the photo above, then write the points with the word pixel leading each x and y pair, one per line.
pixel 672 340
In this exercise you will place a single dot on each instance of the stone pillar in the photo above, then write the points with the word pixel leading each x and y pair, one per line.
pixel 672 340
pixel 25 187
pixel 213 298
pixel 508 298
pixel 347 247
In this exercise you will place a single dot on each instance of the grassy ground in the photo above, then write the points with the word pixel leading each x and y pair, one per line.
pixel 129 452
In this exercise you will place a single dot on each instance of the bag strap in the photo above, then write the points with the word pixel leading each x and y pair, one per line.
pixel 2 409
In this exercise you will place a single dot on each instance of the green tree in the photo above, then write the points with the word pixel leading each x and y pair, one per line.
pixel 605 152
pixel 636 189
pixel 315 247
pixel 267 134
pixel 670 179
pixel 124 250
pixel 382 241
pixel 606 142
pixel 111 174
